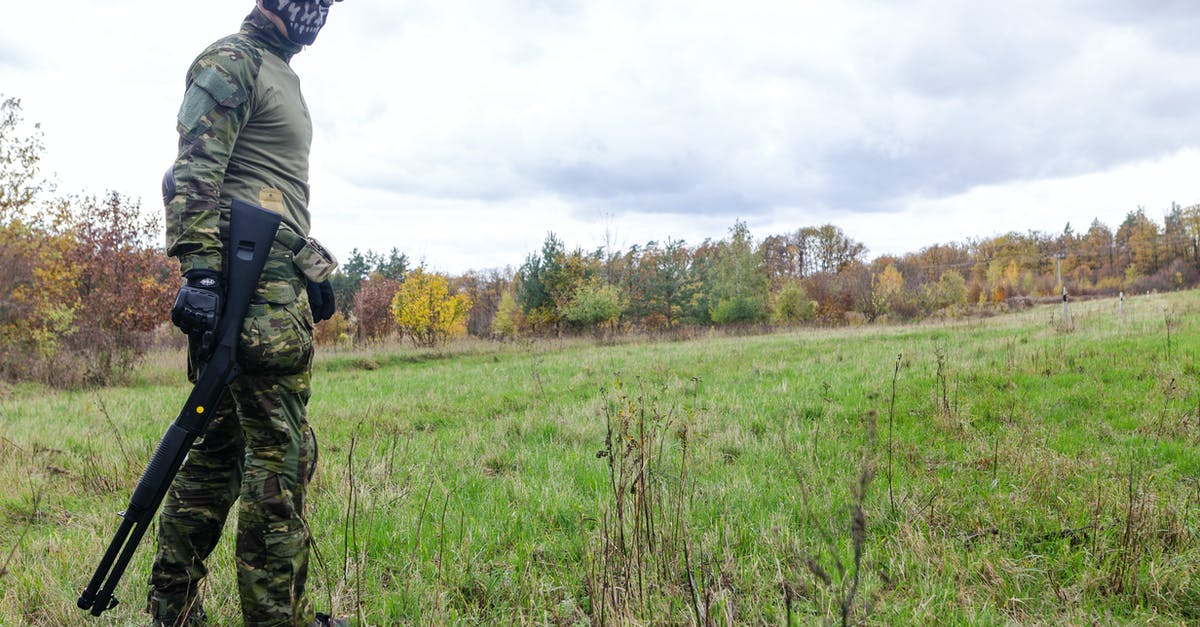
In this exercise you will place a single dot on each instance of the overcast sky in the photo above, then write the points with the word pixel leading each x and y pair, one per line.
pixel 463 131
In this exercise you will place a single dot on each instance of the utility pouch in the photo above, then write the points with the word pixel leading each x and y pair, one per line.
pixel 315 262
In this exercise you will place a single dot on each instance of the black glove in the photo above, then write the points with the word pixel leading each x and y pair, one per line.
pixel 197 309
pixel 320 299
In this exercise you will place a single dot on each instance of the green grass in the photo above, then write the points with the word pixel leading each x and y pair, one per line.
pixel 1020 472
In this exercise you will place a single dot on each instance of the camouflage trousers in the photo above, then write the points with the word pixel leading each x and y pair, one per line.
pixel 258 448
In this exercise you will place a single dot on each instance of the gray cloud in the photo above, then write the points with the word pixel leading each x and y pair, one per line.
pixel 682 112
pixel 712 111
pixel 590 179
pixel 1155 13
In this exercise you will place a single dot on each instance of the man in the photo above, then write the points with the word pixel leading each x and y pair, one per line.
pixel 245 133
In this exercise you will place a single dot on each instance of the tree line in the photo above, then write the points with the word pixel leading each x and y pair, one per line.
pixel 87 287
pixel 814 275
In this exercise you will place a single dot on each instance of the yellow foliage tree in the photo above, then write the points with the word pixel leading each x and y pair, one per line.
pixel 425 310
pixel 506 322
pixel 886 288
pixel 38 299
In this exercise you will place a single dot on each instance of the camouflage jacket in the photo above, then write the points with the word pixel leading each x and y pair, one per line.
pixel 244 132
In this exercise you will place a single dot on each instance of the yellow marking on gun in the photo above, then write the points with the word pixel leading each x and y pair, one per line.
pixel 200 409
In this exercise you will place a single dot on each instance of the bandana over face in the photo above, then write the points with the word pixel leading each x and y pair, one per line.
pixel 302 18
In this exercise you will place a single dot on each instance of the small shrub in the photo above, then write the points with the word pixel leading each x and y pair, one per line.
pixel 335 331
pixel 594 306
pixel 507 321
pixel 738 309
pixel 792 305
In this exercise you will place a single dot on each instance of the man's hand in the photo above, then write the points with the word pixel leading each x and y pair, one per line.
pixel 197 309
pixel 320 299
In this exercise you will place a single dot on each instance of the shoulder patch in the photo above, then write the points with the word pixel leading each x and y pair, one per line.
pixel 196 105
pixel 223 89
pixel 223 75
pixel 227 70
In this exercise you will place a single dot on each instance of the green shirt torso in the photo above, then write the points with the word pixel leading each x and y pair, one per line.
pixel 244 132
pixel 269 163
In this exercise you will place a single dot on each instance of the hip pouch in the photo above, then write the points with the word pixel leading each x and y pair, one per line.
pixel 314 261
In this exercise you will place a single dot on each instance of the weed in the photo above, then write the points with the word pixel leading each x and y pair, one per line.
pixel 1124 576
pixel 641 554
pixel 838 593
pixel 33 514
pixel 891 431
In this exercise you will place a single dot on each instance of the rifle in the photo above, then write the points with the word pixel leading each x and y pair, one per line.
pixel 251 233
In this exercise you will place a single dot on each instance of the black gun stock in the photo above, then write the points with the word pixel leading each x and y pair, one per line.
pixel 251 233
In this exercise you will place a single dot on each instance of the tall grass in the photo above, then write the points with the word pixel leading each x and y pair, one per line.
pixel 1008 470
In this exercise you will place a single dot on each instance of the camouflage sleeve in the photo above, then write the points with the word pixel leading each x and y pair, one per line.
pixel 215 107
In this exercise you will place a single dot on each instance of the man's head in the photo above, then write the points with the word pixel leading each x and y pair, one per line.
pixel 298 20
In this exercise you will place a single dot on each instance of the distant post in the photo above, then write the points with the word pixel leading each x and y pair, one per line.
pixel 1066 315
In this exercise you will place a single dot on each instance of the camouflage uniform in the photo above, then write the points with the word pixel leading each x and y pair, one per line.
pixel 244 133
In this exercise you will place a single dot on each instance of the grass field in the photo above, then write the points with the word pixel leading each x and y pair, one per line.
pixel 997 471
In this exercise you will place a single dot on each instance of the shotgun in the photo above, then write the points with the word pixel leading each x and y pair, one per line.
pixel 251 233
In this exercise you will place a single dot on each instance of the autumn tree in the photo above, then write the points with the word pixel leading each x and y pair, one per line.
pixel 507 322
pixel 485 290
pixel 696 308
pixel 927 265
pixel 372 308
pixel 1098 252
pixel 852 289
pixel 426 311
pixel 783 259
pixel 124 283
pixel 832 250
pixel 1137 240
pixel 1176 242
pixel 38 301
pixel 809 250
pixel 19 247
pixel 886 290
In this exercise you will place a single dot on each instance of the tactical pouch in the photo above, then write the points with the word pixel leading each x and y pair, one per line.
pixel 308 255
pixel 314 262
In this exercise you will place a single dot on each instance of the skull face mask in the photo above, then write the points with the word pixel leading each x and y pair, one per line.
pixel 302 18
